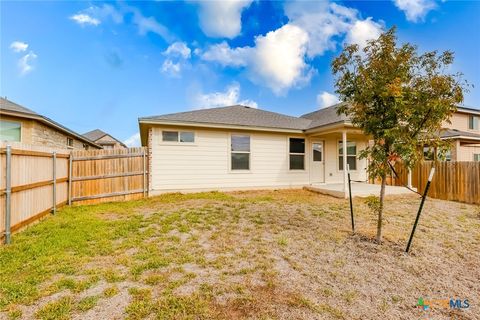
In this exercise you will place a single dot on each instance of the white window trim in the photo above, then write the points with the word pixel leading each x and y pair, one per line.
pixel 229 159
pixel 338 155
pixel 178 143
pixel 475 154
pixel 305 162
pixel 21 129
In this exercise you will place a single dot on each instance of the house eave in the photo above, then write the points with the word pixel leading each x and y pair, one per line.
pixel 49 123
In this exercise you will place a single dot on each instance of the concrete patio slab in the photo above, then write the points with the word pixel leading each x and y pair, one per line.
pixel 359 189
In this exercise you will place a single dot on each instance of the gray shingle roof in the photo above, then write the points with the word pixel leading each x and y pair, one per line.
pixel 236 115
pixel 325 116
pixel 453 133
pixel 12 106
pixel 94 134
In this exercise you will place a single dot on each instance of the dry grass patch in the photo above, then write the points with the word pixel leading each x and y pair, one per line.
pixel 258 254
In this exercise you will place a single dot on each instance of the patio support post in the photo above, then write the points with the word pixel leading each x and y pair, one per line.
pixel 409 178
pixel 345 176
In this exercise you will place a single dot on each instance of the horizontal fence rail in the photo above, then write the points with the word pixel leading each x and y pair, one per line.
pixel 35 181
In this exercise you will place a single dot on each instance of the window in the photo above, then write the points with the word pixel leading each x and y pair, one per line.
pixel 86 146
pixel 176 136
pixel 428 153
pixel 476 157
pixel 474 123
pixel 70 142
pixel 187 137
pixel 10 130
pixel 448 155
pixel 351 155
pixel 240 147
pixel 317 152
pixel 297 154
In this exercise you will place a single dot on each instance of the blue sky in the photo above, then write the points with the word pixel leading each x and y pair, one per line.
pixel 92 64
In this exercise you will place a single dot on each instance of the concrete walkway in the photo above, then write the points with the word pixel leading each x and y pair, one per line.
pixel 359 189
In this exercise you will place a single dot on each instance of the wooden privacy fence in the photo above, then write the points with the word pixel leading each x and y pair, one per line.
pixel 457 181
pixel 108 175
pixel 34 181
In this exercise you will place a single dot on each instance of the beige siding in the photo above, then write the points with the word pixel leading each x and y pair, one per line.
pixel 205 164
pixel 459 121
pixel 465 153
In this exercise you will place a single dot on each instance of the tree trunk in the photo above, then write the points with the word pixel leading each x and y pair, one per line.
pixel 380 209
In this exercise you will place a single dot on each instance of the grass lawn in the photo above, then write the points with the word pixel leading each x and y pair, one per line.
pixel 259 254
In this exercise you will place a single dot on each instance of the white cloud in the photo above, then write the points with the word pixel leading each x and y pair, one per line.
pixel 326 99
pixel 172 69
pixel 279 59
pixel 221 99
pixel 19 46
pixel 222 18
pixel 133 141
pixel 226 56
pixel 322 21
pixel 85 19
pixel 415 10
pixel 178 49
pixel 362 31
pixel 276 61
pixel 25 62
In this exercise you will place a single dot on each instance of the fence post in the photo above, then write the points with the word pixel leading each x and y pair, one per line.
pixel 70 162
pixel 144 175
pixel 54 208
pixel 8 194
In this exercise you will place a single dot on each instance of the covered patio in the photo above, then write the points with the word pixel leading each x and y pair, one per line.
pixel 359 189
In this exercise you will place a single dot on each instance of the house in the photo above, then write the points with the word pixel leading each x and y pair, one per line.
pixel 20 124
pixel 463 130
pixel 104 139
pixel 239 147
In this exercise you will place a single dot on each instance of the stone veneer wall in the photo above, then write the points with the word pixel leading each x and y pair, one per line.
pixel 47 136
pixel 34 132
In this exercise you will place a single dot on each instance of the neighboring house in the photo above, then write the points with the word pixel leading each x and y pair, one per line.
pixel 238 147
pixel 104 139
pixel 20 124
pixel 464 131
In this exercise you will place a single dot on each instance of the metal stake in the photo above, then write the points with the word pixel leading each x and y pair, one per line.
pixel 54 208
pixel 8 194
pixel 350 193
pixel 432 172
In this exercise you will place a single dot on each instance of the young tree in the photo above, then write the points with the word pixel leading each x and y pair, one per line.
pixel 399 98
